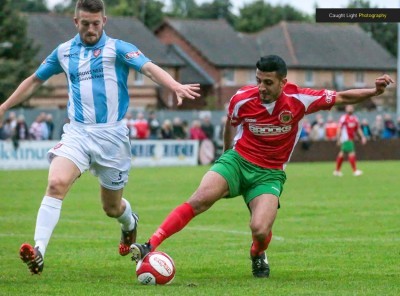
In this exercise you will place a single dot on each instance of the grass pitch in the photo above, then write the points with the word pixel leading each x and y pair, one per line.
pixel 332 236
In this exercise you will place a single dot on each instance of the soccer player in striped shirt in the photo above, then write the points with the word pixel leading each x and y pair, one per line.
pixel 268 119
pixel 97 68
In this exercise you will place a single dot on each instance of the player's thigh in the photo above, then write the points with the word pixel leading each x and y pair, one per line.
pixel 212 188
pixel 62 174
pixel 110 198
pixel 263 212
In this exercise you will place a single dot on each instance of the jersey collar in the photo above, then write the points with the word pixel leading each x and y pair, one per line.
pixel 100 43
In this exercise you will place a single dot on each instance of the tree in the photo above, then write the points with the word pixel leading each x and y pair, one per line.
pixel 183 8
pixel 30 5
pixel 384 33
pixel 17 55
pixel 257 15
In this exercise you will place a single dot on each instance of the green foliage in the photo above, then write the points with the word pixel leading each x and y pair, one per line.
pixel 259 14
pixel 30 5
pixel 332 236
pixel 383 33
pixel 16 51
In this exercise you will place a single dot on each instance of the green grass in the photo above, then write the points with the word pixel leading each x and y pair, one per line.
pixel 332 236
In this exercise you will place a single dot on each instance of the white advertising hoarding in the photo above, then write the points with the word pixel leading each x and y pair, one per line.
pixel 33 154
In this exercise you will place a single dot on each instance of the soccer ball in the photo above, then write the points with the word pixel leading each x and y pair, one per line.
pixel 156 268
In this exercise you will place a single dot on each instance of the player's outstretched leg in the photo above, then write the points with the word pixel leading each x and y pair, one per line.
pixel 139 251
pixel 128 237
pixel 32 257
pixel 260 266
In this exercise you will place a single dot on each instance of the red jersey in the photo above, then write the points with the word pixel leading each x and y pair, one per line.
pixel 348 125
pixel 142 128
pixel 267 133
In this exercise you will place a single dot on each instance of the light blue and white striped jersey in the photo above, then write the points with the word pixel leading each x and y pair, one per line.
pixel 97 77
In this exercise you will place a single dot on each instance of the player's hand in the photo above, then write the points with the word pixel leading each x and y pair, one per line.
pixel 382 82
pixel 187 91
pixel 363 140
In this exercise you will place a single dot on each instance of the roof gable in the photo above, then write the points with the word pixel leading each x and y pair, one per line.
pixel 216 41
pixel 328 46
pixel 49 30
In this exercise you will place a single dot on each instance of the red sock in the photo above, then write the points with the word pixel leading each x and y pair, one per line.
pixel 174 222
pixel 258 247
pixel 339 161
pixel 352 160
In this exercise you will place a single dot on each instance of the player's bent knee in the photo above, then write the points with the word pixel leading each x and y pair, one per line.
pixel 112 211
pixel 57 187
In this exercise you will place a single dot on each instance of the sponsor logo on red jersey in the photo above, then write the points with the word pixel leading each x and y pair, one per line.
pixel 328 96
pixel 285 116
pixel 269 129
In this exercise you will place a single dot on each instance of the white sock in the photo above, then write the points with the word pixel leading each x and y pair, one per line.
pixel 46 221
pixel 126 219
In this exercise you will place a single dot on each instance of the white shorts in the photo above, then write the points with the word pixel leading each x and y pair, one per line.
pixel 105 149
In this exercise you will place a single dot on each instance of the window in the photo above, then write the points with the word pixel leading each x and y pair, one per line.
pixel 229 76
pixel 139 78
pixel 338 80
pixel 359 79
pixel 251 76
pixel 309 79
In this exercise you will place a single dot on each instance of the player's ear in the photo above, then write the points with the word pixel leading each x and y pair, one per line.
pixel 76 21
pixel 104 20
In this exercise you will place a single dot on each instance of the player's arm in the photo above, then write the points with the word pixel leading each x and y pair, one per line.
pixel 362 136
pixel 161 77
pixel 229 132
pixel 354 96
pixel 23 92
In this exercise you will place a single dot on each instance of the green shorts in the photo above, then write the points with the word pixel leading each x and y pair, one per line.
pixel 247 179
pixel 347 146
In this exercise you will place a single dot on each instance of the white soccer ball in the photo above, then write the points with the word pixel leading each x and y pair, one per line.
pixel 156 268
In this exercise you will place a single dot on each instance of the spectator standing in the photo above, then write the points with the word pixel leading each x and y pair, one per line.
pixel 142 127
pixel 389 128
pixel 377 127
pixel 177 129
pixel 196 132
pixel 154 126
pixel 331 127
pixel 166 130
pixel 21 129
pixel 208 127
pixel 36 130
pixel 318 130
pixel 130 124
pixel 366 129
pixel 50 125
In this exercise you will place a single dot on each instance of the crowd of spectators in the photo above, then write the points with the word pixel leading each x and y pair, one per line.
pixel 142 127
pixel 151 128
pixel 383 127
pixel 16 128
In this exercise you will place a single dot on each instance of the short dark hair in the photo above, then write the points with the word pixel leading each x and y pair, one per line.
pixel 92 6
pixel 272 63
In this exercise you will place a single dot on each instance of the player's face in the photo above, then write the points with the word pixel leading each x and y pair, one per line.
pixel 90 26
pixel 270 85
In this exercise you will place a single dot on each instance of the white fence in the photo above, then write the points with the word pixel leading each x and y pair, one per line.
pixel 33 154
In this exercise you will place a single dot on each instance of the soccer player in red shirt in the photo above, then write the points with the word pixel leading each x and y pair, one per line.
pixel 349 126
pixel 268 119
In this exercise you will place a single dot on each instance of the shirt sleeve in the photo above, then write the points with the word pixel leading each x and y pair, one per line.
pixel 130 55
pixel 321 100
pixel 49 67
